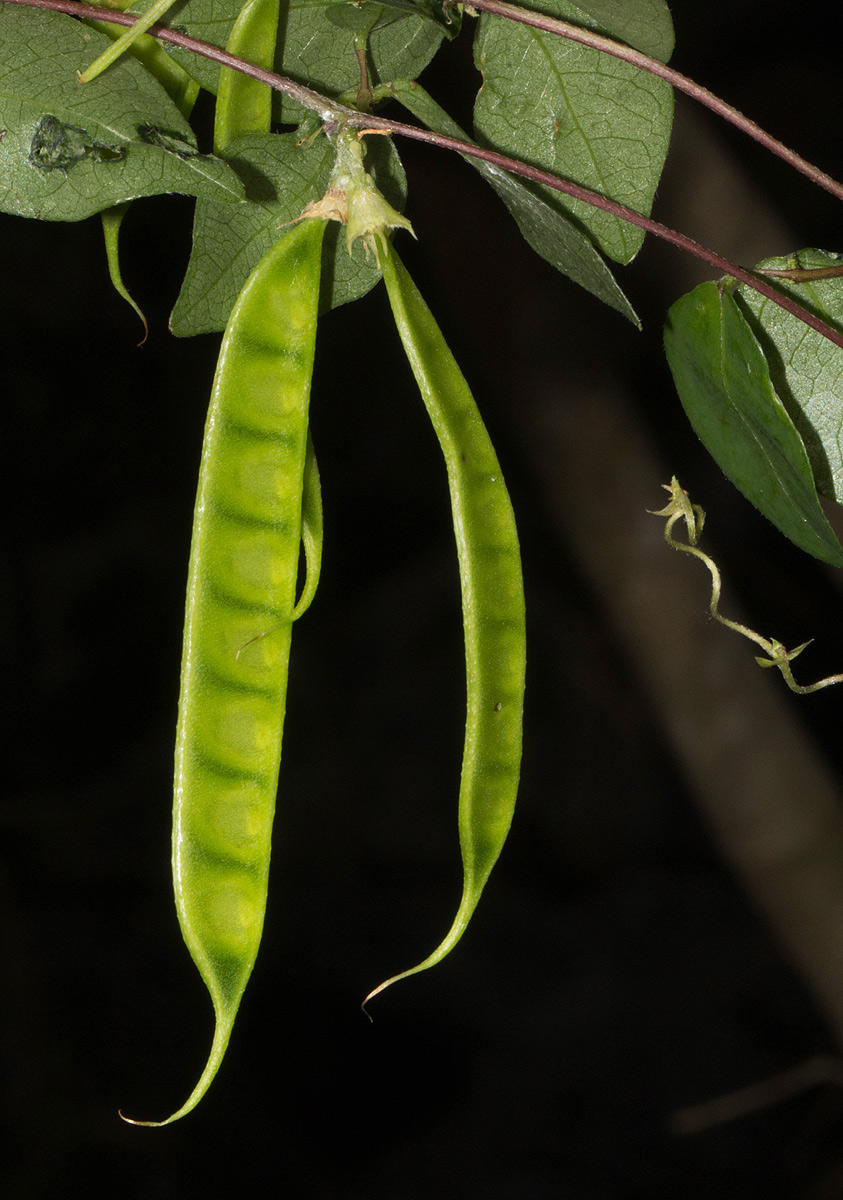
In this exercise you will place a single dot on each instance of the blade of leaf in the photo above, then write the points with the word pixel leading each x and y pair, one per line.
pixel 281 177
pixel 644 24
pixel 724 384
pixel 67 151
pixel 547 230
pixel 806 369
pixel 400 45
pixel 577 112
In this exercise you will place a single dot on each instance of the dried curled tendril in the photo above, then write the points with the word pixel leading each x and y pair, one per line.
pixel 680 508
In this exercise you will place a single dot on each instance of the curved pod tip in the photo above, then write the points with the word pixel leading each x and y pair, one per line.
pixel 222 1033
pixel 444 948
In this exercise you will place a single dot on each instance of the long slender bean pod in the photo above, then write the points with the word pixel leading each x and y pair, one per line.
pixel 243 104
pixel 492 597
pixel 311 531
pixel 181 87
pixel 311 538
pixel 112 219
pixel 119 47
pixel 242 580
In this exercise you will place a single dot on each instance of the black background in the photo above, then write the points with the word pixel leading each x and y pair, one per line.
pixel 615 970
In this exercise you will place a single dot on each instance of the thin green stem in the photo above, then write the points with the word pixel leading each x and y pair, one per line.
pixel 586 37
pixel 336 115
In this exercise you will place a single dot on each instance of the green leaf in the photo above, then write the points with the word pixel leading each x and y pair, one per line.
pixel 313 47
pixel 806 368
pixel 317 51
pixel 549 232
pixel 584 115
pixel 724 384
pixel 281 177
pixel 68 150
pixel 644 24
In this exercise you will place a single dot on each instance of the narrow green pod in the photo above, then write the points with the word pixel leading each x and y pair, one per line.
pixel 242 582
pixel 126 40
pixel 182 90
pixel 243 104
pixel 181 87
pixel 112 219
pixel 312 527
pixel 492 597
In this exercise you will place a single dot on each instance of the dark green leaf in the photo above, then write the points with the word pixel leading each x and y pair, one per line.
pixel 548 231
pixel 316 51
pixel 281 177
pixel 724 384
pixel 644 24
pixel 313 47
pixel 579 113
pixel 69 150
pixel 806 368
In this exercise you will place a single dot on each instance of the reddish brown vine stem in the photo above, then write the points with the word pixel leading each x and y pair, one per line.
pixel 585 37
pixel 335 115
pixel 545 178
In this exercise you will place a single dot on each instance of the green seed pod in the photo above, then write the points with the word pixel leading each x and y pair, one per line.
pixel 492 597
pixel 242 583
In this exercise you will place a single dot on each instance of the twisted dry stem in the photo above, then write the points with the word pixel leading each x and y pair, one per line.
pixel 680 508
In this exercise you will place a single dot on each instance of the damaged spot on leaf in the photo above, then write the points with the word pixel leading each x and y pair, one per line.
pixel 165 140
pixel 56 146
